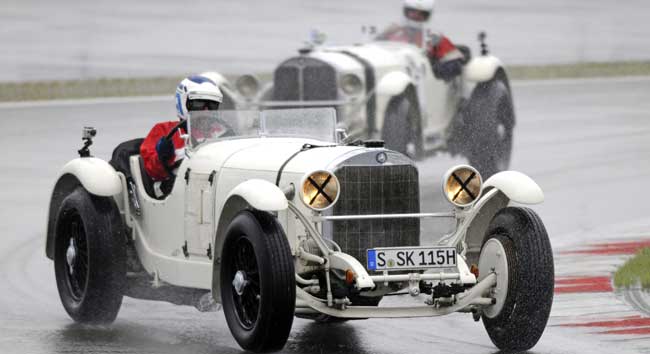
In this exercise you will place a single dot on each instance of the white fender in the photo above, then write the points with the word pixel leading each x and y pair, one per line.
pixel 96 175
pixel 393 83
pixel 261 195
pixel 516 186
pixel 481 68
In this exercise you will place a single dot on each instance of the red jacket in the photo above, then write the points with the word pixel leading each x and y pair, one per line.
pixel 152 164
pixel 442 49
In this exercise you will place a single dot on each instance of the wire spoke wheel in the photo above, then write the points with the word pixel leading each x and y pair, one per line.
pixel 76 255
pixel 89 257
pixel 245 283
pixel 257 282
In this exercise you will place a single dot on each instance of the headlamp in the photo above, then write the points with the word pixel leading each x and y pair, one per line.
pixel 319 190
pixel 462 185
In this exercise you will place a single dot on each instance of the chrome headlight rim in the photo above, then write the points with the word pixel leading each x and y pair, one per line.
pixel 247 86
pixel 462 185
pixel 317 180
pixel 351 84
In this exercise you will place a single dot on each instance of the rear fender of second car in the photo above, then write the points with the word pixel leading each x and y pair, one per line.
pixel 482 68
pixel 93 174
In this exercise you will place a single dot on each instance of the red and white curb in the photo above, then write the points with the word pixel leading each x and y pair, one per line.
pixel 585 298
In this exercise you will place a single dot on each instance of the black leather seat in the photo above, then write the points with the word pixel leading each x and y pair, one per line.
pixel 146 180
pixel 122 153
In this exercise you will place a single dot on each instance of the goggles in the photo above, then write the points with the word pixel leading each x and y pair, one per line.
pixel 202 105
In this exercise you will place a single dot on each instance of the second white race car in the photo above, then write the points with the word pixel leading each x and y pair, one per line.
pixel 387 89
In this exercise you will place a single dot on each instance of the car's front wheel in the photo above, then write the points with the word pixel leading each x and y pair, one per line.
pixel 400 131
pixel 89 257
pixel 518 251
pixel 258 289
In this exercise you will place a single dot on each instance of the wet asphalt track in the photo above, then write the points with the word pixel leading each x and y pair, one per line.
pixel 587 143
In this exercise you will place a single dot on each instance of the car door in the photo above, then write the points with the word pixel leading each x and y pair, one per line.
pixel 199 213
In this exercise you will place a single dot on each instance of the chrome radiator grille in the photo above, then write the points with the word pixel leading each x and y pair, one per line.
pixel 304 79
pixel 376 190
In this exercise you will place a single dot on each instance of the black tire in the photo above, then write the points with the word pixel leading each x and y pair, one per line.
pixel 527 306
pixel 91 282
pixel 488 125
pixel 261 315
pixel 400 125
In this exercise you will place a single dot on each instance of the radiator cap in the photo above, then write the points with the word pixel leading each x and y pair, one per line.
pixel 373 143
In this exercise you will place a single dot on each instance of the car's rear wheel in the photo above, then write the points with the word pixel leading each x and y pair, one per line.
pixel 518 251
pixel 258 288
pixel 89 257
pixel 488 128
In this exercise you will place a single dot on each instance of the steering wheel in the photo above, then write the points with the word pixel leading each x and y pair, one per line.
pixel 181 125
pixel 170 169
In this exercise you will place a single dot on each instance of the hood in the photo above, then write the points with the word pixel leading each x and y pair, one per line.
pixel 382 55
pixel 267 154
pixel 270 156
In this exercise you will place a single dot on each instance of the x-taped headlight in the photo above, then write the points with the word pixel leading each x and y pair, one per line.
pixel 351 84
pixel 319 190
pixel 462 185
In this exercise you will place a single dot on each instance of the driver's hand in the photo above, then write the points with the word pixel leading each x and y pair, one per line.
pixel 165 149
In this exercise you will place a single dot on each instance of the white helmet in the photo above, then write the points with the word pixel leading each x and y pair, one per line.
pixel 197 92
pixel 418 10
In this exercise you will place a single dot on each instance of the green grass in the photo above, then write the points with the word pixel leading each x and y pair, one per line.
pixel 46 90
pixel 579 70
pixel 123 87
pixel 635 271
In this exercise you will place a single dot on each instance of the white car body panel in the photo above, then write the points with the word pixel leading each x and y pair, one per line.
pixel 516 186
pixel 393 83
pixel 261 195
pixel 96 175
pixel 163 256
pixel 343 62
pixel 482 68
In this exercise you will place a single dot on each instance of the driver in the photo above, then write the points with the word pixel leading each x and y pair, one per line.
pixel 446 60
pixel 163 149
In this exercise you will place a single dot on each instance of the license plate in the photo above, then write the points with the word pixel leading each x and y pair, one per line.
pixel 411 258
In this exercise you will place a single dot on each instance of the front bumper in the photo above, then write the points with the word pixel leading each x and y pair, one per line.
pixel 467 301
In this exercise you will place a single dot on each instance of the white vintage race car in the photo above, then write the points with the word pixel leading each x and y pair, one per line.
pixel 387 89
pixel 276 218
